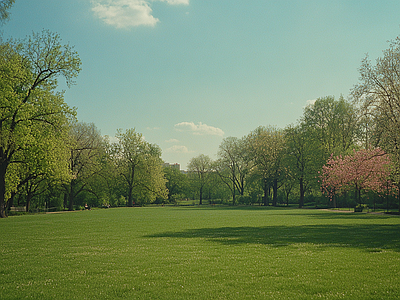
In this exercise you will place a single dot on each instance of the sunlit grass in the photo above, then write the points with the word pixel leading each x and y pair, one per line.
pixel 200 253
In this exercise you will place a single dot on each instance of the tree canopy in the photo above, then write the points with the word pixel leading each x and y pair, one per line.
pixel 139 164
pixel 29 70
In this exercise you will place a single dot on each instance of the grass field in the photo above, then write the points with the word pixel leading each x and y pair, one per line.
pixel 200 253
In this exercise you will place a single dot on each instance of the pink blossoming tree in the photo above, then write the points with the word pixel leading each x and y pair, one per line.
pixel 363 170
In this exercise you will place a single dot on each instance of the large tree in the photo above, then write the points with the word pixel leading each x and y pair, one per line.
pixel 199 169
pixel 140 166
pixel 363 170
pixel 234 164
pixel 177 183
pixel 334 123
pixel 301 157
pixel 44 163
pixel 85 155
pixel 267 147
pixel 378 94
pixel 28 80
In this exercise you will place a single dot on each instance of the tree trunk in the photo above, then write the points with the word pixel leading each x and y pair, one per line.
pixel 201 196
pixel 130 198
pixel 266 194
pixel 2 207
pixel 65 200
pixel 398 197
pixel 234 195
pixel 130 180
pixel 275 192
pixel 301 200
pixel 334 199
pixel 71 196
pixel 10 203
pixel 242 187
pixel 28 197
pixel 28 202
pixel 2 192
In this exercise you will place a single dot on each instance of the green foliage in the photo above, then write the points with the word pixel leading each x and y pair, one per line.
pixel 116 202
pixel 199 169
pixel 378 96
pixel 267 147
pixel 233 165
pixel 246 200
pixel 33 115
pixel 302 159
pixel 176 183
pixel 140 167
pixel 86 152
pixel 216 188
pixel 200 253
pixel 334 124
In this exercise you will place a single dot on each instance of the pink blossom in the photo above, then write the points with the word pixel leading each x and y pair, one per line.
pixel 363 170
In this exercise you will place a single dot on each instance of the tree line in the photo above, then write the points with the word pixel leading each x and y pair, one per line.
pixel 332 157
pixel 50 159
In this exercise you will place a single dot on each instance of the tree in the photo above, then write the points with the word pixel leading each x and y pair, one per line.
pixel 267 148
pixel 5 6
pixel 85 157
pixel 288 184
pixel 107 182
pixel 44 163
pixel 200 167
pixel 234 164
pixel 363 170
pixel 28 79
pixel 177 183
pixel 333 123
pixel 301 157
pixel 140 166
pixel 378 94
pixel 216 189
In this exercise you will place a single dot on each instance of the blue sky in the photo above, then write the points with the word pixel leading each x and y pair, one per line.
pixel 188 73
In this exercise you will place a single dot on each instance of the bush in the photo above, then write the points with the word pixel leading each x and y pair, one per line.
pixel 360 207
pixel 246 200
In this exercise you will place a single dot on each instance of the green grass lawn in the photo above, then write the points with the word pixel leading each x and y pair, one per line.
pixel 200 253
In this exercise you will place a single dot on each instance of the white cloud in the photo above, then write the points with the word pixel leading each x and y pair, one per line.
pixel 124 13
pixel 200 129
pixel 176 2
pixel 172 141
pixel 128 13
pixel 178 149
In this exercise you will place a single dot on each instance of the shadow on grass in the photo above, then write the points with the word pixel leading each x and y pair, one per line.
pixel 312 213
pixel 326 215
pixel 369 237
pixel 230 207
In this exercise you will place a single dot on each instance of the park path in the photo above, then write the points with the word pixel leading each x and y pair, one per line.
pixel 352 211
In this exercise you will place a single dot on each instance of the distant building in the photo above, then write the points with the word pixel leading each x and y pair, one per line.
pixel 174 166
